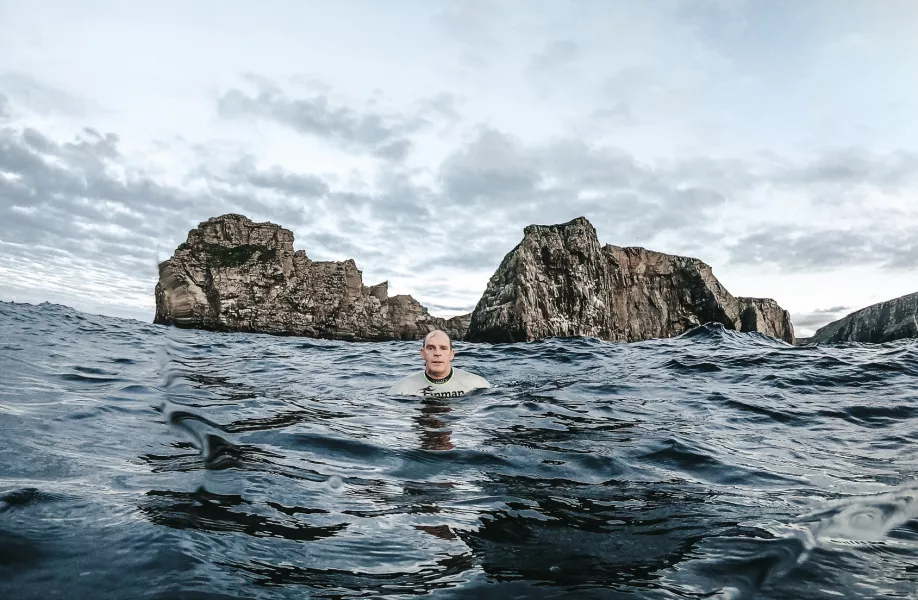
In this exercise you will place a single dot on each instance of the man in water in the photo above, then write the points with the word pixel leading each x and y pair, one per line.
pixel 439 379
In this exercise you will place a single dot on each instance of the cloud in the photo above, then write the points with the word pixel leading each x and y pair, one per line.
pixel 297 185
pixel 83 178
pixel 469 253
pixel 832 310
pixel 473 25
pixel 615 113
pixel 493 169
pixel 76 219
pixel 444 106
pixel 567 177
pixel 382 135
pixel 440 308
pixel 346 246
pixel 746 211
pixel 809 322
pixel 627 89
pixel 801 250
pixel 4 107
pixel 26 92
pixel 853 167
pixel 555 56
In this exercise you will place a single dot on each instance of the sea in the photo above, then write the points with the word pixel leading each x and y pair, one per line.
pixel 140 461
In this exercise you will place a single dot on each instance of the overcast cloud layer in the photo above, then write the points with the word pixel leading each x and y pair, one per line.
pixel 776 141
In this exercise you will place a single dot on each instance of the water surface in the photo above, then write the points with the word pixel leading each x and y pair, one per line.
pixel 140 461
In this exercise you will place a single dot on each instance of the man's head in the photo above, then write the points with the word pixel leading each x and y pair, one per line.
pixel 438 354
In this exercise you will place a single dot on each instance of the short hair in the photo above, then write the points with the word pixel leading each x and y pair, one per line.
pixel 426 337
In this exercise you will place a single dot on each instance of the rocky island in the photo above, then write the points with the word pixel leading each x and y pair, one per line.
pixel 559 281
pixel 232 274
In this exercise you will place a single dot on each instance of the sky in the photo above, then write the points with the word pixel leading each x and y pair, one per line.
pixel 775 140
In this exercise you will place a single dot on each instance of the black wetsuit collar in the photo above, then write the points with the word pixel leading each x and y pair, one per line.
pixel 444 380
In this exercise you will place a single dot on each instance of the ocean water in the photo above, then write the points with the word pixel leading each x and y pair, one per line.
pixel 140 461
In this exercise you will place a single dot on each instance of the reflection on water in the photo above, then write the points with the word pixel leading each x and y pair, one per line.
pixel 231 513
pixel 433 431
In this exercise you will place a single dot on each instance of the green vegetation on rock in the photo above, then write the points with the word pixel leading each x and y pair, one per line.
pixel 235 256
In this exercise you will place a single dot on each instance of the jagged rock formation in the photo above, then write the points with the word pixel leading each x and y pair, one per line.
pixel 882 322
pixel 765 316
pixel 559 281
pixel 236 275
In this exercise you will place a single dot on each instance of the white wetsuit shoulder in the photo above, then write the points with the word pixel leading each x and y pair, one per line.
pixel 409 385
pixel 471 379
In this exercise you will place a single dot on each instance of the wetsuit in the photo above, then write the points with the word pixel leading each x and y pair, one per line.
pixel 457 383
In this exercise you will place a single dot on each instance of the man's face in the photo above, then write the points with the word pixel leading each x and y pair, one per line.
pixel 438 355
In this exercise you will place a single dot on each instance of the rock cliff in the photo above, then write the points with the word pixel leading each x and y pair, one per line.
pixel 559 281
pixel 232 274
pixel 882 322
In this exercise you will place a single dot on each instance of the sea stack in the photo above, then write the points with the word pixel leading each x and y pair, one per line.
pixel 233 274
pixel 559 281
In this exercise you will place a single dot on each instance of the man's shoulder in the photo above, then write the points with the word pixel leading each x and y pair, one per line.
pixel 471 378
pixel 409 384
